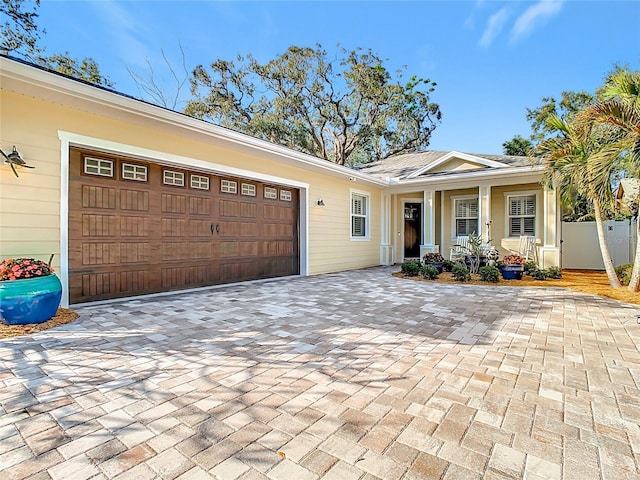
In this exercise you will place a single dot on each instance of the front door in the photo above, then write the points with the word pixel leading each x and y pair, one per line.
pixel 412 230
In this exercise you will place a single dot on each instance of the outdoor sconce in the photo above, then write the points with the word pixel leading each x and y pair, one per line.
pixel 320 202
pixel 14 160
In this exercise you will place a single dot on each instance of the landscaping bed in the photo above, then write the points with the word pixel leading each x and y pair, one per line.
pixel 587 281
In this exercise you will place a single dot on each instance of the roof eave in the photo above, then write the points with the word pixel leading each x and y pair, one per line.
pixel 27 79
pixel 472 177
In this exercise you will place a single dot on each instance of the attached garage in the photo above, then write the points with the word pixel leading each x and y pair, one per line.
pixel 137 227
pixel 134 199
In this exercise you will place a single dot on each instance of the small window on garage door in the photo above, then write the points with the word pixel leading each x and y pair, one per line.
pixel 134 172
pixel 98 166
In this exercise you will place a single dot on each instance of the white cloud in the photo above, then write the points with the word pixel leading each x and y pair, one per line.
pixel 126 30
pixel 494 27
pixel 535 16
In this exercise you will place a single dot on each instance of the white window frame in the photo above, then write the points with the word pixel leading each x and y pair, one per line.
pixel 507 204
pixel 248 189
pixel 454 210
pixel 367 215
pixel 271 193
pixel 171 177
pixel 286 195
pixel 104 167
pixel 228 186
pixel 139 172
pixel 199 182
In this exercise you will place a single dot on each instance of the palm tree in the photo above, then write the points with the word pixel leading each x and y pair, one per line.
pixel 619 108
pixel 568 158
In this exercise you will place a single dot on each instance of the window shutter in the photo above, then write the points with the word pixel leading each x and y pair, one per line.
pixel 529 205
pixel 358 226
pixel 529 226
pixel 516 207
pixel 515 227
pixel 473 226
pixel 357 205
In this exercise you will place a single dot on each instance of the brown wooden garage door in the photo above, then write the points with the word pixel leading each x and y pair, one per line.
pixel 137 227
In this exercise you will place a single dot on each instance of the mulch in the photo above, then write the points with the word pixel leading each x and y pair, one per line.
pixel 587 281
pixel 63 316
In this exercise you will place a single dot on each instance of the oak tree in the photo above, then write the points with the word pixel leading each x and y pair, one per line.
pixel 347 108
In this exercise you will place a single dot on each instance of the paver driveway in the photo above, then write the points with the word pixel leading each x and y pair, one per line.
pixel 356 375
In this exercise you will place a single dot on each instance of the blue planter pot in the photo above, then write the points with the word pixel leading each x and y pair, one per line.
pixel 438 265
pixel 29 300
pixel 512 272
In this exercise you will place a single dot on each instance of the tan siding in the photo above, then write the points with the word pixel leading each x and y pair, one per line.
pixel 456 165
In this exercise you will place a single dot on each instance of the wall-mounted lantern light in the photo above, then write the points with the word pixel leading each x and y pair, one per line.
pixel 14 160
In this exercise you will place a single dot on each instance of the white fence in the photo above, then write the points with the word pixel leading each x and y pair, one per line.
pixel 581 250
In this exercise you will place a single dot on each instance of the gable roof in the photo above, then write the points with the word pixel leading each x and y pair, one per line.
pixel 414 165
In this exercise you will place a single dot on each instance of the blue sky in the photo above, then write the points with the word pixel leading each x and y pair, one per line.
pixel 490 59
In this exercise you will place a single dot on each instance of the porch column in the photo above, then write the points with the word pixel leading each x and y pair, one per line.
pixel 484 213
pixel 549 252
pixel 428 224
pixel 386 248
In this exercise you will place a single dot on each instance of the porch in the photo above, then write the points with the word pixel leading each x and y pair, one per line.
pixel 425 220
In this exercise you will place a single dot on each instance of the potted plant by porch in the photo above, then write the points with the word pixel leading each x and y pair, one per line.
pixel 29 291
pixel 512 267
pixel 434 259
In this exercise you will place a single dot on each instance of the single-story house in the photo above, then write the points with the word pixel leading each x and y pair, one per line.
pixel 136 199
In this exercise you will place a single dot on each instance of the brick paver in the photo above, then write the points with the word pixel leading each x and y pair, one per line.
pixel 356 375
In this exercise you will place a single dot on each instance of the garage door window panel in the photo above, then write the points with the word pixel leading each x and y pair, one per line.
pixel 228 186
pixel 170 177
pixel 131 171
pixel 199 182
pixel 271 193
pixel 98 166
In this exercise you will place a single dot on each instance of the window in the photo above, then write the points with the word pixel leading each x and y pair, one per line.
pixel 466 216
pixel 170 177
pixel 248 189
pixel 200 182
pixel 522 215
pixel 270 192
pixel 228 186
pixel 359 216
pixel 285 195
pixel 134 172
pixel 97 166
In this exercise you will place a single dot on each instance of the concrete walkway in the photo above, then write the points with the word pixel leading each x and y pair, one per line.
pixel 357 375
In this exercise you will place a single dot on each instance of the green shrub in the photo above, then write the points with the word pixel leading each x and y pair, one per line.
pixel 429 271
pixel 539 274
pixel 460 273
pixel 410 268
pixel 554 272
pixel 624 273
pixel 489 274
pixel 530 266
pixel 447 265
